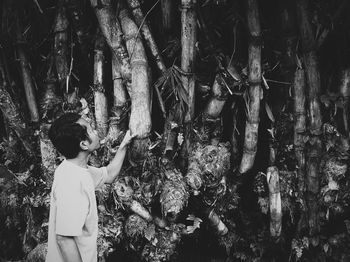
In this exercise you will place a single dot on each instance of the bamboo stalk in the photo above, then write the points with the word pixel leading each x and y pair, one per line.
pixel 299 144
pixel 188 41
pixel 314 83
pixel 28 84
pixel 254 78
pixel 49 102
pixel 141 22
pixel 212 123
pixel 81 24
pixel 168 18
pixel 118 119
pixel 217 100
pixel 234 138
pixel 315 121
pixel 344 90
pixel 12 113
pixel 112 31
pixel 274 201
pixel 61 46
pixel 140 117
pixel 217 223
pixel 300 125
pixel 100 99
pixel 171 129
pixel 289 38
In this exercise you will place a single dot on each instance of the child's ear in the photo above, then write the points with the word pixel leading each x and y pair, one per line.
pixel 84 145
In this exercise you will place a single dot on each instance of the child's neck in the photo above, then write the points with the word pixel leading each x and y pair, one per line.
pixel 81 160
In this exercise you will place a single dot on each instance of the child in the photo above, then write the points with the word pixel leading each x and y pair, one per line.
pixel 73 212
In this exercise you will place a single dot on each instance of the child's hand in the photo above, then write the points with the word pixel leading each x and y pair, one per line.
pixel 127 138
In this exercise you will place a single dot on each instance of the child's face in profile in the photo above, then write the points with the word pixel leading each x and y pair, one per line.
pixel 92 133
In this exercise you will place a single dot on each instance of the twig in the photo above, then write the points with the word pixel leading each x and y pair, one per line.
pixel 37 4
pixel 70 67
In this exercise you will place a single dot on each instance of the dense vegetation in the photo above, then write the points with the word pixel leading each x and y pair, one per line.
pixel 241 115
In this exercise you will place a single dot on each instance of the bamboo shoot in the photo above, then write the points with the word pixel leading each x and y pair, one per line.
pixel 275 201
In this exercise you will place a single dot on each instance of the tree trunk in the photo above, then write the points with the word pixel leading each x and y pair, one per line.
pixel 140 117
pixel 61 47
pixel 254 78
pixel 100 99
pixel 188 41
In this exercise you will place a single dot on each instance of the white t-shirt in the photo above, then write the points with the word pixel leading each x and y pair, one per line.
pixel 73 210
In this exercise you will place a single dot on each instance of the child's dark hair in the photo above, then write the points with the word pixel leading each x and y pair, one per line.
pixel 66 134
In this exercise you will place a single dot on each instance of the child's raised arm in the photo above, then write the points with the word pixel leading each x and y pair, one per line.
pixel 114 167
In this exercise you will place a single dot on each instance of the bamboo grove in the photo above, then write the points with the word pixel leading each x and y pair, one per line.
pixel 240 110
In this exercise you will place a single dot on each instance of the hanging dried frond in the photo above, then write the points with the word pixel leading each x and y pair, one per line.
pixel 172 88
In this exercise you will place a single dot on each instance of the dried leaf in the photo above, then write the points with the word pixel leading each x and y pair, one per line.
pixel 180 139
pixel 269 113
pixel 150 232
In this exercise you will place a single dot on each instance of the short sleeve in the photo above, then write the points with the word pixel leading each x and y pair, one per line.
pixel 99 175
pixel 72 204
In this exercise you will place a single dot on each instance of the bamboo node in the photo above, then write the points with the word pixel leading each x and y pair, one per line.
pixel 132 6
pixel 98 88
pixel 250 151
pixel 256 40
pixel 255 83
pixel 187 6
